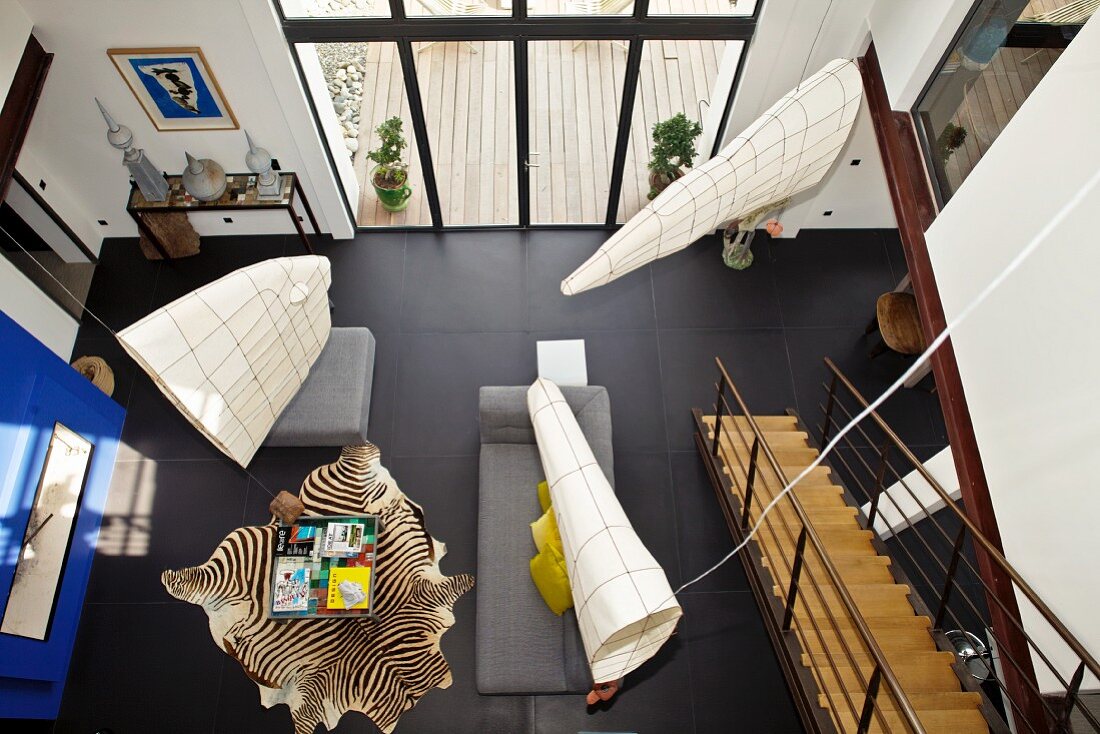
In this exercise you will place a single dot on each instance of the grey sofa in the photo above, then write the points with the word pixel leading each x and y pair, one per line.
pixel 523 647
pixel 333 404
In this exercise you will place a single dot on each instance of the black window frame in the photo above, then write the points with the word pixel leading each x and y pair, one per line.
pixel 519 29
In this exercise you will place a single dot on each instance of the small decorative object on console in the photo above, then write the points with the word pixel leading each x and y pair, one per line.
pixel 148 179
pixel 352 593
pixel 203 178
pixel 258 160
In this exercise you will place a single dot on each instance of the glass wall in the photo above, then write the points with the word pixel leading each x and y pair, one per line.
pixel 675 77
pixel 1001 55
pixel 468 90
pixel 575 91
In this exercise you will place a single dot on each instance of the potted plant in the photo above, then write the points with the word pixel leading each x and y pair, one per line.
pixel 673 150
pixel 390 176
pixel 950 140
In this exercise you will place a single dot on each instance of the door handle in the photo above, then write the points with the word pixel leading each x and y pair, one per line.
pixel 531 155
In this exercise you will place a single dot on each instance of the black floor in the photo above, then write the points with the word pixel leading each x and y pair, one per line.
pixel 453 312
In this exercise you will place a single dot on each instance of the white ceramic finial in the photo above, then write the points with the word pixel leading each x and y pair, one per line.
pixel 194 165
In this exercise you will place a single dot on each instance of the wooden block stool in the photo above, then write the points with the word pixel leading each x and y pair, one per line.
pixel 898 322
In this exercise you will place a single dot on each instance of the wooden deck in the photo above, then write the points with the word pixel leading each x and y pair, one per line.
pixel 994 97
pixel 991 101
pixel 575 94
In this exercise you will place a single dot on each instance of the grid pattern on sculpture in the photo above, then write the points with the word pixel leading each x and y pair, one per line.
pixel 703 200
pixel 606 667
pixel 258 375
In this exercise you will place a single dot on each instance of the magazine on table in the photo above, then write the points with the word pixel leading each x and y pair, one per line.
pixel 291 588
pixel 342 539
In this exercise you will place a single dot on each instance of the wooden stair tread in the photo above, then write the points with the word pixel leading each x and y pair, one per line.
pixel 822 625
pixel 949 721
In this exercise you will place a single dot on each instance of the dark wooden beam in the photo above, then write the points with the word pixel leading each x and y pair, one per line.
pixel 15 117
pixel 914 208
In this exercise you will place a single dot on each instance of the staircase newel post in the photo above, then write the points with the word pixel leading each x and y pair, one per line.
pixel 719 402
pixel 1063 727
pixel 750 482
pixel 952 567
pixel 869 701
pixel 880 477
pixel 829 412
pixel 796 571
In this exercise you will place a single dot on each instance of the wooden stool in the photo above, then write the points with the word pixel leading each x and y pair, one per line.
pixel 897 320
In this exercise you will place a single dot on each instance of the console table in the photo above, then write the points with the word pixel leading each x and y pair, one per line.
pixel 240 193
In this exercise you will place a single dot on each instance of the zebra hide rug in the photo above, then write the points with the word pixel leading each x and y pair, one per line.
pixel 323 668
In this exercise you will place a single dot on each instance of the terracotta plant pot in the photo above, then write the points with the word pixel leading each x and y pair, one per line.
pixel 394 199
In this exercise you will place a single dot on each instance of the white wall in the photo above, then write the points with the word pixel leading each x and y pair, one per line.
pixel 19 297
pixel 1029 356
pixel 911 38
pixel 15 29
pixel 794 39
pixel 242 43
pixel 34 311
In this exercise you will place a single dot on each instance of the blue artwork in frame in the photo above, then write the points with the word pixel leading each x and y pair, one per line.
pixel 175 87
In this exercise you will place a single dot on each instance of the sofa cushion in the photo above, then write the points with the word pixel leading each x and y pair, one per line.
pixel 522 648
pixel 519 640
pixel 333 404
pixel 504 418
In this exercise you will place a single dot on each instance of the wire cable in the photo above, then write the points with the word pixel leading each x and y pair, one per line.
pixel 102 323
pixel 1040 237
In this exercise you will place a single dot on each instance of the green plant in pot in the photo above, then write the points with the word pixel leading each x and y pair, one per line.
pixel 673 151
pixel 950 140
pixel 390 176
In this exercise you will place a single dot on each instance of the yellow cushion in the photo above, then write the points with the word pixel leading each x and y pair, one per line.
pixel 545 531
pixel 551 579
pixel 544 496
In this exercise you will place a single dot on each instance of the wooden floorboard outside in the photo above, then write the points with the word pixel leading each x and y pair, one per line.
pixel 575 92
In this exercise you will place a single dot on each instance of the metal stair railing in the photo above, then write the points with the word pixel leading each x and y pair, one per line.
pixel 916 536
pixel 882 694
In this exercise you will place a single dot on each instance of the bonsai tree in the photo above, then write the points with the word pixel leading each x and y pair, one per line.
pixel 390 173
pixel 951 139
pixel 673 150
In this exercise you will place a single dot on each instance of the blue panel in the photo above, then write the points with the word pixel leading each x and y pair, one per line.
pixel 38 389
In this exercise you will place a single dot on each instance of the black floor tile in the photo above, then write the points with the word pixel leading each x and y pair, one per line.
pixel 142 668
pixel 643 484
pixel 159 516
pixel 124 368
pixel 122 287
pixel 437 387
pixel 155 429
pixel 447 490
pixel 694 288
pixel 459 709
pixel 656 699
pixel 220 256
pixel 755 358
pixel 275 469
pixel 831 277
pixel 626 303
pixel 470 281
pixel 736 680
pixel 701 530
pixel 908 411
pixel 626 363
pixel 894 250
pixel 367 277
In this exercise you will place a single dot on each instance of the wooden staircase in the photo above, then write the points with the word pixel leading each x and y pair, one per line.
pixel 838 658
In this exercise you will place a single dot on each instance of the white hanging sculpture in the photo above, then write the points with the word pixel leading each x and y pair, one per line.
pixel 625 607
pixel 786 150
pixel 232 354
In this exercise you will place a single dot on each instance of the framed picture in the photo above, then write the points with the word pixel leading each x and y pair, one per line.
pixel 175 87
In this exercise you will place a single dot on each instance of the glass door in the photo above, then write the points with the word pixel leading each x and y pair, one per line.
pixel 574 93
pixel 534 113
pixel 468 93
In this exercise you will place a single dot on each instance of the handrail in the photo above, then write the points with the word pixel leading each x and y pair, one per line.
pixel 991 550
pixel 904 705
